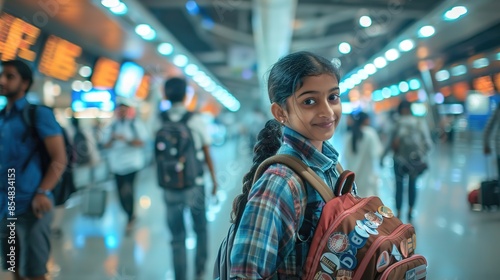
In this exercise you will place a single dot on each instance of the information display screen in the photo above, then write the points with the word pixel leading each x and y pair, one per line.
pixel 129 79
pixel 104 100
pixel 58 59
pixel 105 73
pixel 17 37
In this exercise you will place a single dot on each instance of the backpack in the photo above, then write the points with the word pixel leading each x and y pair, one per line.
pixel 354 238
pixel 178 165
pixel 65 186
pixel 81 152
pixel 409 150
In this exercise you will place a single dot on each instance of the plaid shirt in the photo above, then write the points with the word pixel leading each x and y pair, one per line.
pixel 265 241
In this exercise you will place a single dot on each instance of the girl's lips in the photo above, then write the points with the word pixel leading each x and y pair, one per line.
pixel 325 124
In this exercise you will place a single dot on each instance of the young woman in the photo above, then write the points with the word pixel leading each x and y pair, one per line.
pixel 276 215
pixel 362 149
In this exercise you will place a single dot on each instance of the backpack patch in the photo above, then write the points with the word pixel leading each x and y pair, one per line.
pixel 179 165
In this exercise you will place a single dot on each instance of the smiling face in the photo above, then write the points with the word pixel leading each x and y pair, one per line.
pixel 314 110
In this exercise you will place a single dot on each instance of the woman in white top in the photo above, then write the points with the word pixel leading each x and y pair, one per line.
pixel 362 149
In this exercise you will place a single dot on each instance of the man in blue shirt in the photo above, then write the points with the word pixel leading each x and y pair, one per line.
pixel 26 200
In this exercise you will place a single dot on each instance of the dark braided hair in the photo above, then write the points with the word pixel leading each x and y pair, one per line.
pixel 268 143
pixel 286 77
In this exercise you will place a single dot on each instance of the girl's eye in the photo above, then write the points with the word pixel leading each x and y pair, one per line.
pixel 333 97
pixel 309 102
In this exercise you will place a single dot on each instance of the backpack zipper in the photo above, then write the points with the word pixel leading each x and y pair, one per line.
pixel 373 247
pixel 325 237
pixel 392 267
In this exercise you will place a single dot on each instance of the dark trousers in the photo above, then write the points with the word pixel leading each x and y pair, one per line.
pixel 194 200
pixel 401 172
pixel 125 185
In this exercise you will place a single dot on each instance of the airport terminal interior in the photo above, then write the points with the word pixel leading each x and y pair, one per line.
pixel 88 56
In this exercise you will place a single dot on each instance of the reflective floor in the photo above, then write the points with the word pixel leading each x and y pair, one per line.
pixel 458 243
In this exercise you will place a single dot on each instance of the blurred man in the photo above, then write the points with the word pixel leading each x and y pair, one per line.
pixel 181 193
pixel 26 201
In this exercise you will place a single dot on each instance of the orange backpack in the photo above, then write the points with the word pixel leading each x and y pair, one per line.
pixel 356 238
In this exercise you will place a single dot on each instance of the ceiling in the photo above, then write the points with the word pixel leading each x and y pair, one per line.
pixel 220 33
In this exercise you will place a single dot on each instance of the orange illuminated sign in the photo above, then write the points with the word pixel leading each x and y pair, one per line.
pixel 16 38
pixel 105 73
pixel 59 58
pixel 460 90
pixel 484 85
pixel 497 81
pixel 143 89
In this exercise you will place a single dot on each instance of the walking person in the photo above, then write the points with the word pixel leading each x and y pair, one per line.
pixel 410 142
pixel 304 91
pixel 179 196
pixel 493 128
pixel 28 177
pixel 362 149
pixel 127 137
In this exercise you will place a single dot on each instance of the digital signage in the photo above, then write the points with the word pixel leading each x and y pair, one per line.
pixel 58 59
pixel 129 79
pixel 17 38
pixel 101 99
pixel 105 73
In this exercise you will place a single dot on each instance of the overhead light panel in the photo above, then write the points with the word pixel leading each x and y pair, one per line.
pixel 426 31
pixel 458 70
pixel 442 75
pixel 380 62
pixel 180 60
pixel 455 13
pixel 344 48
pixel 414 84
pixel 165 48
pixel 480 63
pixel 121 9
pixel 365 21
pixel 191 69
pixel 403 86
pixel 145 31
pixel 370 69
pixel 406 45
pixel 110 3
pixel 392 54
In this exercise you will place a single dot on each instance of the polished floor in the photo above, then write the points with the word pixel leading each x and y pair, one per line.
pixel 458 243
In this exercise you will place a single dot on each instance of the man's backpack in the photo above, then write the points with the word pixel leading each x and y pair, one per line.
pixel 178 163
pixel 81 148
pixel 356 238
pixel 65 186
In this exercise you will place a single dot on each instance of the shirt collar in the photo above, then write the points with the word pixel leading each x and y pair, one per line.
pixel 294 141
pixel 18 104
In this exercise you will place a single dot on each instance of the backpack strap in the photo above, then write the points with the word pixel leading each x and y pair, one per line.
pixel 29 118
pixel 299 167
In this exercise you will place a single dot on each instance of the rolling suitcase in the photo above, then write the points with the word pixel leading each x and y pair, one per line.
pixel 489 191
pixel 93 202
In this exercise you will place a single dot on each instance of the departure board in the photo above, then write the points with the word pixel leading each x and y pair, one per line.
pixel 484 85
pixel 59 58
pixel 105 73
pixel 16 38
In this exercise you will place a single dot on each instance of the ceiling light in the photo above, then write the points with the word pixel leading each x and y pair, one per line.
pixel 85 71
pixel 426 31
pixel 370 69
pixel 392 54
pixel 192 7
pixel 403 86
pixel 442 75
pixel 165 48
pixel 110 3
pixel 145 31
pixel 386 92
pixel 414 84
pixel 458 70
pixel 362 74
pixel 344 48
pixel 191 69
pixel 380 62
pixel 121 9
pixel 406 45
pixel 480 63
pixel 365 21
pixel 180 60
pixel 455 13
pixel 394 90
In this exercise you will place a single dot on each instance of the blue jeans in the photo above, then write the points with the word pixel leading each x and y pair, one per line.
pixel 194 199
pixel 400 172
